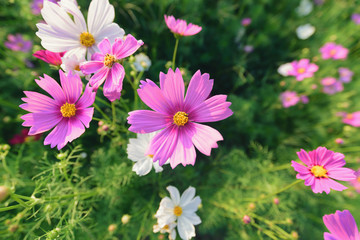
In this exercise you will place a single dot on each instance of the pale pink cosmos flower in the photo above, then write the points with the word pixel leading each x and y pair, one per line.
pixel 18 43
pixel 106 66
pixel 331 85
pixel 342 226
pixel 302 69
pixel 66 111
pixel 345 75
pixel 322 166
pixel 179 118
pixel 304 99
pixel 339 141
pixel 356 183
pixel 334 51
pixel 352 119
pixel 289 98
pixel 49 57
pixel 180 27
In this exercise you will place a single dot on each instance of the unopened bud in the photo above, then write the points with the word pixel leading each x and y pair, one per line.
pixel 13 228
pixel 276 201
pixel 4 147
pixel 4 193
pixel 252 206
pixel 289 221
pixel 294 234
pixel 125 218
pixel 61 156
pixel 246 219
pixel 112 228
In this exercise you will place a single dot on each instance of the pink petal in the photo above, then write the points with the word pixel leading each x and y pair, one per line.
pixel 320 185
pixel 41 122
pixel 87 99
pixel 114 82
pixel 204 137
pixel 85 115
pixel 199 89
pixel 304 157
pixel 343 174
pixel 172 87
pixel 122 49
pixel 334 185
pixel 184 152
pixel 71 85
pixel 328 236
pixel 152 96
pixel 57 137
pixel 91 66
pixel 146 121
pixel 75 129
pixel 99 78
pixel 53 88
pixel 97 57
pixel 300 168
pixel 37 102
pixel 164 143
pixel 213 109
pixel 105 46
pixel 342 225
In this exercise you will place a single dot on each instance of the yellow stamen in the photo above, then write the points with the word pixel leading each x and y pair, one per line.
pixel 332 52
pixel 77 68
pixel 319 171
pixel 87 39
pixel 301 70
pixel 68 110
pixel 151 155
pixel 109 60
pixel 358 179
pixel 349 116
pixel 180 118
pixel 166 227
pixel 178 211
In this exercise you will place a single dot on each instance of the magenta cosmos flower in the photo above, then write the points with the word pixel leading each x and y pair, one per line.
pixel 356 183
pixel 106 65
pixel 331 85
pixel 18 43
pixel 289 98
pixel 180 27
pixel 342 226
pixel 345 75
pixel 334 51
pixel 302 69
pixel 355 17
pixel 352 119
pixel 49 57
pixel 66 110
pixel 322 166
pixel 178 117
pixel 246 22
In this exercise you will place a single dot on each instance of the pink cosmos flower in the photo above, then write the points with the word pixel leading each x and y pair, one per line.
pixel 49 57
pixel 178 117
pixel 37 5
pixel 106 66
pixel 302 69
pixel 334 51
pixel 331 85
pixel 289 98
pixel 342 226
pixel 345 75
pixel 304 99
pixel 18 43
pixel 355 18
pixel 322 166
pixel 352 119
pixel 339 141
pixel 180 27
pixel 23 137
pixel 246 22
pixel 356 183
pixel 66 110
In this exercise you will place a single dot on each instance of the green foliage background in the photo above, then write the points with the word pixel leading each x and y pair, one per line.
pixel 73 196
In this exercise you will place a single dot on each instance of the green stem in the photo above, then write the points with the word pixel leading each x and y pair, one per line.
pixel 101 112
pixel 102 101
pixel 113 113
pixel 21 202
pixel 281 190
pixel 277 168
pixel 135 86
pixel 175 51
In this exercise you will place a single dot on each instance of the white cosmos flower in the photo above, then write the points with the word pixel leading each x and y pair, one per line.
pixel 142 62
pixel 305 31
pixel 61 33
pixel 170 229
pixel 137 149
pixel 284 69
pixel 71 63
pixel 305 7
pixel 181 210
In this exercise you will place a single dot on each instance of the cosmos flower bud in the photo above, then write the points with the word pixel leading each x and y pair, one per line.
pixel 246 219
pixel 4 193
pixel 125 219
pixel 112 228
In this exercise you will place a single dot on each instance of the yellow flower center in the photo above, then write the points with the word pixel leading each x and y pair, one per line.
pixel 68 110
pixel 180 118
pixel 77 68
pixel 166 227
pixel 332 52
pixel 143 64
pixel 301 70
pixel 349 116
pixel 87 39
pixel 319 171
pixel 178 211
pixel 109 60
pixel 151 155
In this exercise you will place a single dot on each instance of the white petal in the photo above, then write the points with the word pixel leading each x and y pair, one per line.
pixel 71 7
pixel 193 205
pixel 187 196
pixel 174 194
pixel 143 167
pixel 100 14
pixel 111 31
pixel 192 217
pixel 157 167
pixel 185 228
